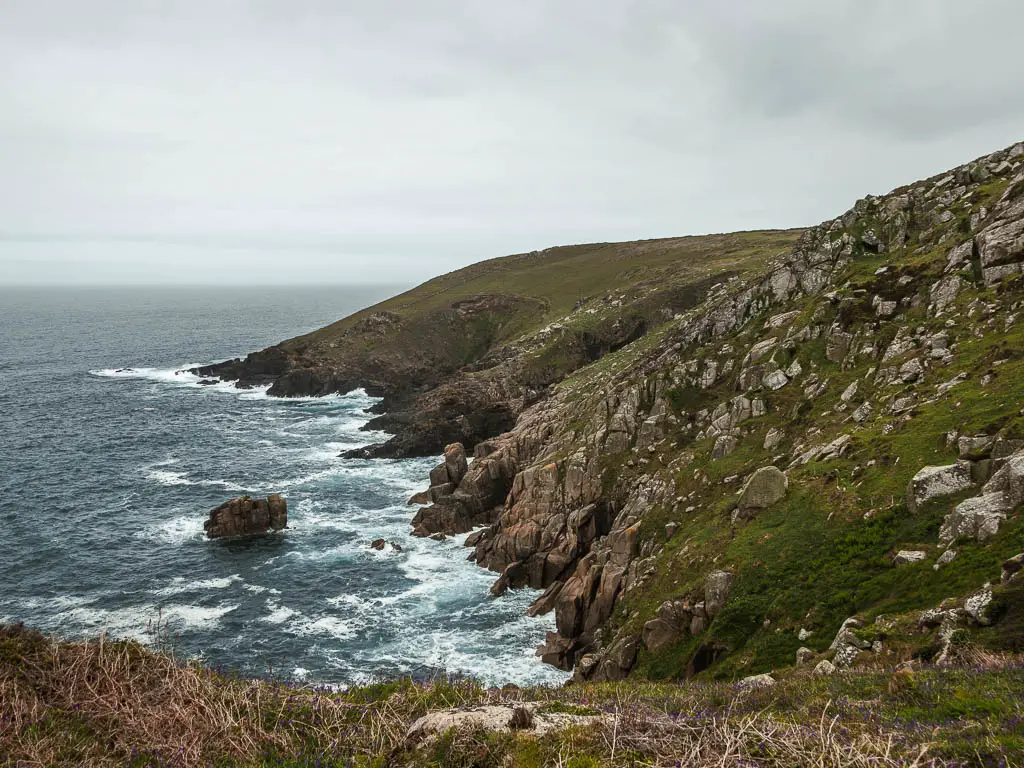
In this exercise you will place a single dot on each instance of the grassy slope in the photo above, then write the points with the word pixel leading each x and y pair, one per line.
pixel 106 704
pixel 556 278
pixel 824 553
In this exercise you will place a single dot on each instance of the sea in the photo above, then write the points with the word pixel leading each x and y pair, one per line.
pixel 111 456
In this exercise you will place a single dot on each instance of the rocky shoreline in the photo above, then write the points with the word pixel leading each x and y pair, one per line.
pixel 620 450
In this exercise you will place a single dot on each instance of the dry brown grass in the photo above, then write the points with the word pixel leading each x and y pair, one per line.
pixel 109 703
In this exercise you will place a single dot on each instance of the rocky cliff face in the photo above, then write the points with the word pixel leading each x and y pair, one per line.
pixel 459 358
pixel 735 481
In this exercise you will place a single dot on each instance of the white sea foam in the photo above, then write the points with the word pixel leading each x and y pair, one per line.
pixel 179 585
pixel 326 625
pixel 170 477
pixel 279 614
pixel 178 530
pixel 259 590
pixel 140 622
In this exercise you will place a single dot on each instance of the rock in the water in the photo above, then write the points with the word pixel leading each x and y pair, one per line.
pixel 765 487
pixel 378 544
pixel 245 516
pixel 932 482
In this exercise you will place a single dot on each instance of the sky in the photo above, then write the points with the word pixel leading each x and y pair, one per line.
pixel 238 142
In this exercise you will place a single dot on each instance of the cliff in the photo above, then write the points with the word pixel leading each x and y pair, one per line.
pixel 727 455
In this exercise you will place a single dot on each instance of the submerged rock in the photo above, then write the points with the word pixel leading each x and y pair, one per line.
pixel 246 516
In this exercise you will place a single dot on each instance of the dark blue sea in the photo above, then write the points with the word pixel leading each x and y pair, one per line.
pixel 107 474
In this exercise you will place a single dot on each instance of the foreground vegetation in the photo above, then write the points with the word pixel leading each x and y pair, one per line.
pixel 116 703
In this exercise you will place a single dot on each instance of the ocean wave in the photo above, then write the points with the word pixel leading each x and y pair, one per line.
pixel 177 530
pixel 279 614
pixel 170 477
pixel 179 585
pixel 326 625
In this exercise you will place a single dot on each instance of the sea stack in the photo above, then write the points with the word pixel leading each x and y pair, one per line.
pixel 246 516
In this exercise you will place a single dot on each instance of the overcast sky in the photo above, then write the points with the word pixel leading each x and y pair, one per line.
pixel 312 141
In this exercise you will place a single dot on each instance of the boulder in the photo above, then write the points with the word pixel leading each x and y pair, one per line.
pixel 1009 479
pixel 724 445
pixel 825 668
pixel 673 621
pixel 717 586
pixel 975 448
pixel 775 380
pixel 1012 567
pixel 756 681
pixel 618 661
pixel 765 487
pixel 773 438
pixel 945 558
pixel 933 482
pixel 908 556
pixel 246 516
pixel 455 462
pixel 977 607
pixel 378 544
pixel 523 716
pixel 977 518
pixel 803 655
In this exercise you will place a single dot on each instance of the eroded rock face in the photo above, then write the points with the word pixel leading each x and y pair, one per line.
pixel 245 516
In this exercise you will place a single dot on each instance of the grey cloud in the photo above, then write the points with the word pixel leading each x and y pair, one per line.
pixel 344 138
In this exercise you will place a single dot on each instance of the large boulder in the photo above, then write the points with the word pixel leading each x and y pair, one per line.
pixel 245 516
pixel 765 487
pixel 933 482
pixel 976 518
pixel 1009 479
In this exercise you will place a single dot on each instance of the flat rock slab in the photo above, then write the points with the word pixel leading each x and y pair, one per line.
pixel 503 718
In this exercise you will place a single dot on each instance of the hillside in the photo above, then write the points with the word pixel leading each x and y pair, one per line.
pixel 727 455
pixel 771 484
pixel 726 494
pixel 458 357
